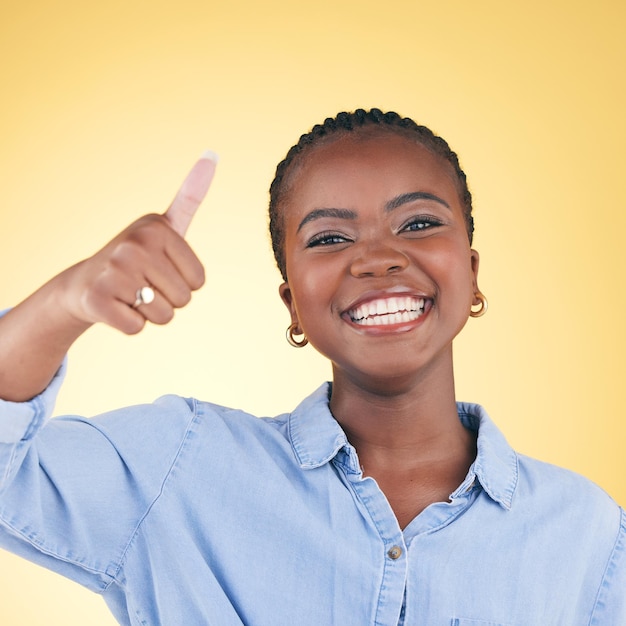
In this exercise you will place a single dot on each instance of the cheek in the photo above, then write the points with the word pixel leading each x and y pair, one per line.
pixel 315 283
pixel 309 286
pixel 297 278
pixel 450 265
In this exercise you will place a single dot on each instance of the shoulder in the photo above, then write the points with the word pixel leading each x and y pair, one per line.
pixel 148 440
pixel 561 484
pixel 556 503
pixel 530 481
pixel 223 431
pixel 168 417
pixel 170 420
pixel 580 508
pixel 171 414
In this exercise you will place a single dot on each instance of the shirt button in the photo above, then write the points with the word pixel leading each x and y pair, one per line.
pixel 395 553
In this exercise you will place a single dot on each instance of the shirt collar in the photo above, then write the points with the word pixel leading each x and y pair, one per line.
pixel 496 466
pixel 316 438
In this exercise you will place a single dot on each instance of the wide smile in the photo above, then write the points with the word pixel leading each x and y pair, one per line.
pixel 387 311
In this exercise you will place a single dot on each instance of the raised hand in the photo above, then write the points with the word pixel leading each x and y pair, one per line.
pixel 149 258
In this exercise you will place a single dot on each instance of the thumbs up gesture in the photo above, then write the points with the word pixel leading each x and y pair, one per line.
pixel 148 270
pixel 143 274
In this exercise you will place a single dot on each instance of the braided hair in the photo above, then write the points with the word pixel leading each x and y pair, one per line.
pixel 361 122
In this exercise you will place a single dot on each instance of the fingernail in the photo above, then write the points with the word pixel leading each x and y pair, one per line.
pixel 210 155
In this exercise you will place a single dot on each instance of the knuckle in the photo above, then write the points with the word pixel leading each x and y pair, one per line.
pixel 93 301
pixel 163 317
pixel 134 325
pixel 182 299
pixel 145 230
pixel 126 252
pixel 150 220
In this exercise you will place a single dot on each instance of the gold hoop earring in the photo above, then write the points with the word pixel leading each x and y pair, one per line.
pixel 484 305
pixel 291 331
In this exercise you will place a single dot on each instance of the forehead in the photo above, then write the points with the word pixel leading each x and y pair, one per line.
pixel 371 166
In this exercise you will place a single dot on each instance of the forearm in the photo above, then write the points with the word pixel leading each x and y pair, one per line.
pixel 34 338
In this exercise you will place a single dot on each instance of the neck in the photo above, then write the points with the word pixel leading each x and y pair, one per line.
pixel 408 437
pixel 403 423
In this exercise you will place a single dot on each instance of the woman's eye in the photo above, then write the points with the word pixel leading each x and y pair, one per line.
pixel 326 239
pixel 420 224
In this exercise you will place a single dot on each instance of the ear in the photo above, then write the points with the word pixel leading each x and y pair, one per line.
pixel 474 262
pixel 286 296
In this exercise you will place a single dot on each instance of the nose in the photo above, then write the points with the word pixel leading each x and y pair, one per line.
pixel 377 259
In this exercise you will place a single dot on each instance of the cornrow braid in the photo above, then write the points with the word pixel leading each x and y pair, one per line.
pixel 360 121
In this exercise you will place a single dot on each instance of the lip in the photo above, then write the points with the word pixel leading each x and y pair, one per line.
pixel 399 309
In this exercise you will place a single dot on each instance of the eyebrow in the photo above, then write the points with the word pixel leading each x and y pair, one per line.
pixel 315 214
pixel 394 203
pixel 405 198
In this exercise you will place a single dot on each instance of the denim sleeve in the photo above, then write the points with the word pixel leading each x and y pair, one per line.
pixel 610 605
pixel 20 422
pixel 75 491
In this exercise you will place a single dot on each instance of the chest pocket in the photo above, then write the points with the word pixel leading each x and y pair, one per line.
pixel 461 621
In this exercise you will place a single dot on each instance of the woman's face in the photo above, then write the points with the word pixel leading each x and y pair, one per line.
pixel 381 276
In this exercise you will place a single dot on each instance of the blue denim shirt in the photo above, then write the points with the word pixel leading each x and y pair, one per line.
pixel 184 512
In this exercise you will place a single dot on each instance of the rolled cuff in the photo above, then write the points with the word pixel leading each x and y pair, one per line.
pixel 19 421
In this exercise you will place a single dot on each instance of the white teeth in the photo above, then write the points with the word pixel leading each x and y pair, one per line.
pixel 384 311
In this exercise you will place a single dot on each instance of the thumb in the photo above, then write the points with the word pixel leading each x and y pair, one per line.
pixel 191 193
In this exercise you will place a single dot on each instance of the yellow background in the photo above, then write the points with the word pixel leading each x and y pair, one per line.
pixel 105 106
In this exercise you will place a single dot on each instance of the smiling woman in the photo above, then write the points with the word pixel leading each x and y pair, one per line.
pixel 379 499
pixel 370 217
